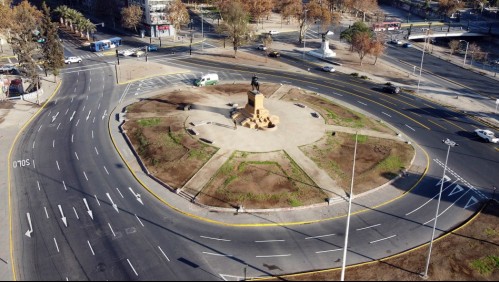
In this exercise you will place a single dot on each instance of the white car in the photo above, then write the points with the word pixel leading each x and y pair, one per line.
pixel 328 69
pixel 138 53
pixel 261 47
pixel 487 135
pixel 69 60
pixel 272 32
pixel 125 53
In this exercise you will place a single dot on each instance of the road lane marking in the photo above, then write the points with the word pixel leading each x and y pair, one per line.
pixel 359 229
pixel 72 138
pixel 77 122
pixel 106 170
pixel 362 103
pixel 92 134
pixel 57 246
pixel 38 183
pixel 40 128
pixel 410 127
pixel 58 126
pixel 139 220
pixel 97 199
pixel 85 176
pixel 270 241
pixel 163 253
pixel 424 204
pixel 218 255
pixel 53 143
pixel 119 192
pixel 58 167
pixel 46 213
pixel 379 240
pixel 114 234
pixel 77 156
pixel 217 239
pixel 386 114
pixel 67 111
pixel 33 144
pixel 64 183
pixel 328 251
pixel 131 264
pixel 97 152
pixel 34 165
pixel 274 256
pixel 77 217
pixel 91 249
pixel 320 236
pixel 437 124
pixel 83 108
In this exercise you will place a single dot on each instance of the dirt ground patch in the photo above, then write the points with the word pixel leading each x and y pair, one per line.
pixel 334 113
pixel 467 254
pixel 260 180
pixel 378 160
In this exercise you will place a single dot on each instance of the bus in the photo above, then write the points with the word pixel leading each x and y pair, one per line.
pixel 382 26
pixel 105 44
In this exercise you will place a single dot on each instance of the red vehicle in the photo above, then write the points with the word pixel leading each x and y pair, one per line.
pixel 382 26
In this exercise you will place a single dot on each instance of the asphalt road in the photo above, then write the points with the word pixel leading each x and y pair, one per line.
pixel 72 164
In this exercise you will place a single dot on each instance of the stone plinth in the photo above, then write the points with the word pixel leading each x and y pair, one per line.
pixel 324 52
pixel 254 115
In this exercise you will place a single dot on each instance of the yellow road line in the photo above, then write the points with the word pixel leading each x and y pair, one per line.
pixel 454 124
pixel 9 163
pixel 437 124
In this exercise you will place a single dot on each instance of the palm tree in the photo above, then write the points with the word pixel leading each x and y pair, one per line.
pixel 80 23
pixel 63 13
pixel 73 16
pixel 89 28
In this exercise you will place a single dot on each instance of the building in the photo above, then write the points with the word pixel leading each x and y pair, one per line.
pixel 154 20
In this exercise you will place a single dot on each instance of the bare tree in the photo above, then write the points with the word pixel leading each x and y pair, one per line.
pixel 236 25
pixel 377 49
pixel 289 9
pixel 361 43
pixel 364 6
pixel 131 16
pixel 177 14
pixel 448 7
pixel 453 45
pixel 475 52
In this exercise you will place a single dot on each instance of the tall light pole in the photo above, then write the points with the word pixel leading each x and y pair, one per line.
pixel 202 28
pixel 449 144
pixel 422 57
pixel 465 52
pixel 305 35
pixel 345 246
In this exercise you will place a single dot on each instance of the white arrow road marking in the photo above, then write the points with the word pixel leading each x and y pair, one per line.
pixel 111 200
pixel 136 274
pixel 446 179
pixel 456 190
pixel 28 233
pixel 72 116
pixel 137 196
pixel 164 254
pixel 471 202
pixel 88 209
pixel 63 218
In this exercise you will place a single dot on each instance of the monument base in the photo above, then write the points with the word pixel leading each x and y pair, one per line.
pixel 254 115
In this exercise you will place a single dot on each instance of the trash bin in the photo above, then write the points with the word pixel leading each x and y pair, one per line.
pixel 142 33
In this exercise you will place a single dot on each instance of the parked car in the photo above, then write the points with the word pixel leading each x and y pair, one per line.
pixel 328 69
pixel 207 79
pixel 487 135
pixel 138 53
pixel 407 45
pixel 261 47
pixel 274 54
pixel 69 60
pixel 390 88
pixel 272 32
pixel 152 47
pixel 396 42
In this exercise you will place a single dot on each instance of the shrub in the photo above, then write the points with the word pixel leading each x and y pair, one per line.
pixel 364 77
pixel 356 74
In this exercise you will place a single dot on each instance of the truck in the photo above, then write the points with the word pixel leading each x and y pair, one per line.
pixel 207 79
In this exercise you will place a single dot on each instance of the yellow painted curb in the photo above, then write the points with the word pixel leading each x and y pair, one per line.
pixel 9 158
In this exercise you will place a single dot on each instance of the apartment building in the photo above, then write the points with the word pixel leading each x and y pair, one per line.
pixel 154 20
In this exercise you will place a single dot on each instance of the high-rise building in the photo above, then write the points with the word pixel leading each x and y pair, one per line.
pixel 154 20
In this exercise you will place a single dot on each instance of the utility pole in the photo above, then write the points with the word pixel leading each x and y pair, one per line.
pixel 305 35
pixel 202 29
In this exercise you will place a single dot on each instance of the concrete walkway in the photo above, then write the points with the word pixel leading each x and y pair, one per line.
pixel 366 132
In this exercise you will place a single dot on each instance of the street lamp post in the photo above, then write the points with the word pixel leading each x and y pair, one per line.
pixel 422 57
pixel 345 247
pixel 465 52
pixel 305 35
pixel 202 29
pixel 449 144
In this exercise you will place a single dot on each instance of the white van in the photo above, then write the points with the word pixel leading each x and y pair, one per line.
pixel 207 79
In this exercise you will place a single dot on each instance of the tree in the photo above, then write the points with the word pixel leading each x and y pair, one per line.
pixel 258 9
pixel 63 12
pixel 361 43
pixel 364 6
pixel 449 7
pixel 131 16
pixel 289 8
pixel 52 51
pixel 27 19
pixel 377 49
pixel 475 52
pixel 349 33
pixel 177 14
pixel 6 18
pixel 236 25
pixel 453 45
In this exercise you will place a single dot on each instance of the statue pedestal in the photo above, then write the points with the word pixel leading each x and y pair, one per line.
pixel 324 52
pixel 254 115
